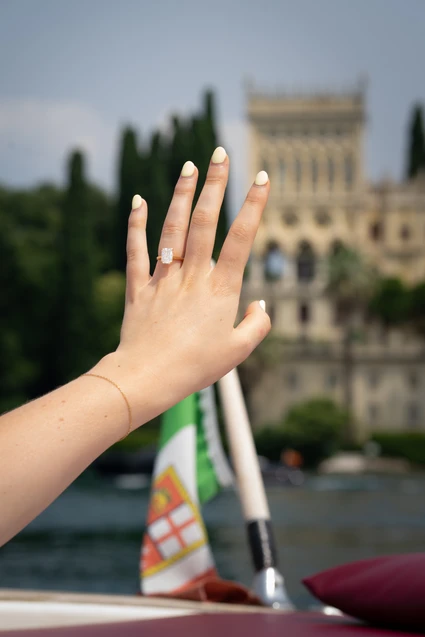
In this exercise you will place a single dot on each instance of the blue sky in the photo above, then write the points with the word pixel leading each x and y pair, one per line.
pixel 73 72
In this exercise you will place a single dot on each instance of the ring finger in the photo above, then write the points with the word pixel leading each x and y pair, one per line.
pixel 174 230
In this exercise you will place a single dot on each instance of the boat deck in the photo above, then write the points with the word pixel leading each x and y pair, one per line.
pixel 45 614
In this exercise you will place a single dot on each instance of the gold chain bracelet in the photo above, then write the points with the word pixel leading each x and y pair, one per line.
pixel 130 419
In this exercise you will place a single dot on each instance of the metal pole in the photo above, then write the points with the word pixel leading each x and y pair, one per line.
pixel 268 583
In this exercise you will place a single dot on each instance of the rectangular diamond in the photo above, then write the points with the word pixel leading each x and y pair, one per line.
pixel 167 255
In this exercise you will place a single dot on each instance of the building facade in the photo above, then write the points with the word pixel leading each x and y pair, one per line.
pixel 312 148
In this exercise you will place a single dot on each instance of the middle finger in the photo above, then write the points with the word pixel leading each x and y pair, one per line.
pixel 201 237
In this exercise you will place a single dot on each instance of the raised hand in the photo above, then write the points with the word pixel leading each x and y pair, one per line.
pixel 179 334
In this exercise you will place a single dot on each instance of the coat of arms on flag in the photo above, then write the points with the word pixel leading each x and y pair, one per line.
pixel 174 526
pixel 190 468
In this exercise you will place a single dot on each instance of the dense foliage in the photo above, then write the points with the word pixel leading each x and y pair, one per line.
pixel 402 444
pixel 313 428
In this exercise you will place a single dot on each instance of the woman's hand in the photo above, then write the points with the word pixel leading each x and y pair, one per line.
pixel 178 334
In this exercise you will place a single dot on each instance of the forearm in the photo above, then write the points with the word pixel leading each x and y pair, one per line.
pixel 48 442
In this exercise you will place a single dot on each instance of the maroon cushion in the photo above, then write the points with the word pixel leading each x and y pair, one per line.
pixel 389 591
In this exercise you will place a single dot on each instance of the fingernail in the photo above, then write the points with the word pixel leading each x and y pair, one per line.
pixel 261 178
pixel 188 169
pixel 262 305
pixel 136 202
pixel 219 155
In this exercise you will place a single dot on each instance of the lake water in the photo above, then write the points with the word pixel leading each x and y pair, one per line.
pixel 89 539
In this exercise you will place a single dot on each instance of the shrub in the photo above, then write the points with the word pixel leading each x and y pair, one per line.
pixel 313 428
pixel 402 444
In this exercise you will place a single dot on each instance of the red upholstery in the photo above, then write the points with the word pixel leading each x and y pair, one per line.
pixel 386 591
pixel 221 625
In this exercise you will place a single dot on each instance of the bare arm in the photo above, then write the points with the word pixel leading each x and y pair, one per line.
pixel 178 336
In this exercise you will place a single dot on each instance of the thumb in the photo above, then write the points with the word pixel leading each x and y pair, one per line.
pixel 253 328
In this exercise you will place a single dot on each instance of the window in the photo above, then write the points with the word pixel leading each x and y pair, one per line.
pixel 413 414
pixel 274 262
pixel 405 232
pixel 331 380
pixel 337 247
pixel 314 173
pixel 349 171
pixel 290 217
pixel 304 313
pixel 306 263
pixel 298 173
pixel 282 173
pixel 373 380
pixel 292 380
pixel 323 217
pixel 375 231
pixel 331 173
pixel 413 379
pixel 373 412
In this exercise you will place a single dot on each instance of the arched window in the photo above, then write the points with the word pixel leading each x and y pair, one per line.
pixel 349 171
pixel 314 173
pixel 405 232
pixel 337 247
pixel 331 173
pixel 306 263
pixel 298 173
pixel 375 231
pixel 274 262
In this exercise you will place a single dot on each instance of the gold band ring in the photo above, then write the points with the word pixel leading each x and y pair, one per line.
pixel 167 256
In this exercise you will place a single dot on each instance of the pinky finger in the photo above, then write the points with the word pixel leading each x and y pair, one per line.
pixel 137 250
pixel 252 329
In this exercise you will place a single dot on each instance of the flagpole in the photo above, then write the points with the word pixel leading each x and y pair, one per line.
pixel 268 583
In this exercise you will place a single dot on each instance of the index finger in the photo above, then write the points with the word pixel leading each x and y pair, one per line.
pixel 236 249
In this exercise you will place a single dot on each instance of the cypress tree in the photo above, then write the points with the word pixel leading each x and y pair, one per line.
pixel 158 193
pixel 130 180
pixel 75 312
pixel 416 153
pixel 211 126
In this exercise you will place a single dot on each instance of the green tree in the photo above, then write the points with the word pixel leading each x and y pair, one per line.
pixel 74 347
pixel 416 150
pixel 351 284
pixel 315 428
pixel 417 308
pixel 158 193
pixel 213 141
pixel 129 180
pixel 390 302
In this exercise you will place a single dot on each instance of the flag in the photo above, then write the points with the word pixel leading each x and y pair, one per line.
pixel 190 469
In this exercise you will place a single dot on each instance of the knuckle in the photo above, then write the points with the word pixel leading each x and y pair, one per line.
pixel 241 232
pixel 132 254
pixel 189 280
pixel 214 178
pixel 245 343
pixel 223 288
pixel 255 196
pixel 183 188
pixel 202 218
pixel 135 221
pixel 173 227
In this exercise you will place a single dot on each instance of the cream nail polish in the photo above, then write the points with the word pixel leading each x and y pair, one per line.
pixel 188 169
pixel 261 178
pixel 262 305
pixel 219 155
pixel 137 202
